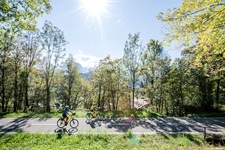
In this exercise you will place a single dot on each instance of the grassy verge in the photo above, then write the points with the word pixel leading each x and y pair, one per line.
pixel 28 115
pixel 80 113
pixel 33 141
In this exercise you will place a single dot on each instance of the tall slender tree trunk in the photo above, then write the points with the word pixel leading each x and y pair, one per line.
pixel 117 101
pixel 181 98
pixel 217 94
pixel 26 103
pixel 3 82
pixel 113 100
pixel 48 98
pixel 15 89
pixel 68 101
pixel 20 97
pixel 3 88
pixel 103 101
pixel 75 98
pixel 133 89
pixel 99 94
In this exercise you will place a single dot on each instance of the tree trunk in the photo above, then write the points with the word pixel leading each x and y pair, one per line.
pixel 217 94
pixel 99 95
pixel 70 94
pixel 117 101
pixel 113 100
pixel 3 84
pixel 15 89
pixel 26 103
pixel 20 98
pixel 48 98
pixel 181 98
pixel 133 96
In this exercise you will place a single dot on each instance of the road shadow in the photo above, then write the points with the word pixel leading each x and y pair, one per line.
pixel 120 124
pixel 14 126
pixel 164 125
pixel 61 131
pixel 169 125
pixel 94 122
pixel 44 119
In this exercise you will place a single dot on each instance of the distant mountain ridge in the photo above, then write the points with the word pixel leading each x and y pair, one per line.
pixel 85 71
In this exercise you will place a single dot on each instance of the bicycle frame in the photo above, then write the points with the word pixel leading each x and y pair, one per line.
pixel 89 115
pixel 72 121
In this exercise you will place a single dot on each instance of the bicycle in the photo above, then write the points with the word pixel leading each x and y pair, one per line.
pixel 99 115
pixel 71 121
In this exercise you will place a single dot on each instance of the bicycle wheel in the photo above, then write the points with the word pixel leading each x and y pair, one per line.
pixel 100 116
pixel 61 123
pixel 74 123
pixel 88 116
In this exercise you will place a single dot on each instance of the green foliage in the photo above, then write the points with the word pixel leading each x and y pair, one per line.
pixel 140 113
pixel 131 60
pixel 155 68
pixel 19 15
pixel 188 86
pixel 53 43
pixel 72 89
pixel 199 25
pixel 109 83
pixel 16 17
pixel 101 141
pixel 30 115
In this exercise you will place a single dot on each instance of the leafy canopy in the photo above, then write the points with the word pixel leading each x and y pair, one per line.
pixel 20 14
pixel 199 25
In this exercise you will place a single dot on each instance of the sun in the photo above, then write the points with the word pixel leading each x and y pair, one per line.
pixel 95 8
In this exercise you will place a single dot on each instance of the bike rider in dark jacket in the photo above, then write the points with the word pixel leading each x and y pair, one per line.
pixel 65 111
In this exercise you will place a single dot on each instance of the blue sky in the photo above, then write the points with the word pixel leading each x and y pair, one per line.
pixel 93 37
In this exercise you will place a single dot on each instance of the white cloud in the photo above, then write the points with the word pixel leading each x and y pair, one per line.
pixel 79 51
pixel 88 61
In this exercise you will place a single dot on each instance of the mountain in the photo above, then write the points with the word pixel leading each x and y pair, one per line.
pixel 85 72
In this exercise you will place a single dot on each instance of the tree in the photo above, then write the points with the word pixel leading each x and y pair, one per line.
pixel 53 44
pixel 31 52
pixel 19 15
pixel 6 44
pixel 108 81
pixel 151 60
pixel 15 17
pixel 70 86
pixel 200 25
pixel 177 86
pixel 131 60
pixel 99 80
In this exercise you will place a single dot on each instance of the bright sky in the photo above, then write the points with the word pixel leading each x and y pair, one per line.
pixel 98 28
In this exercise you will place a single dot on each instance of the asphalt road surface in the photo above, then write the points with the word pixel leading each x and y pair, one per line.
pixel 117 125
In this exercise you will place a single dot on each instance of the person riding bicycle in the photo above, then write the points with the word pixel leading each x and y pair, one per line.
pixel 93 110
pixel 65 111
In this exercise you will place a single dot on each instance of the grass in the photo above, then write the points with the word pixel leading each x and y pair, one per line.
pixel 29 115
pixel 33 141
pixel 80 113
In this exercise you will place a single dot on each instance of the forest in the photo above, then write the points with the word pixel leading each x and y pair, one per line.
pixel 36 73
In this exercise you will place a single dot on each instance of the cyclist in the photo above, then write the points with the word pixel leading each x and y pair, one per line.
pixel 93 110
pixel 65 111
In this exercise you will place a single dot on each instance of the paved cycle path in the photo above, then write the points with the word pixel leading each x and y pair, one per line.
pixel 117 125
